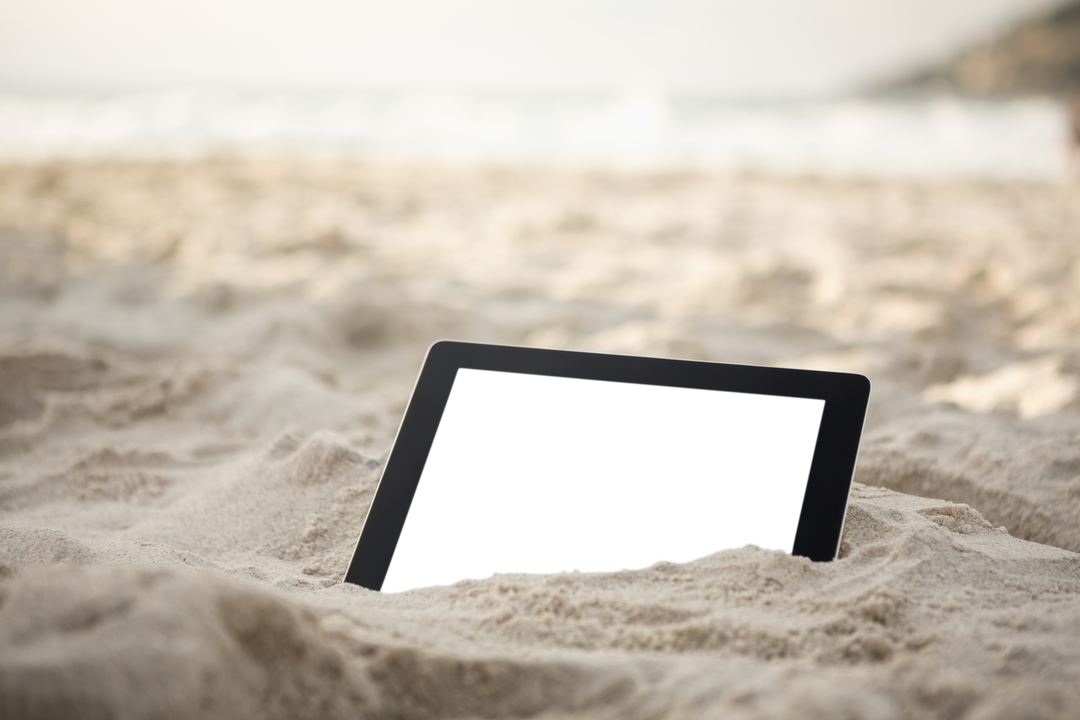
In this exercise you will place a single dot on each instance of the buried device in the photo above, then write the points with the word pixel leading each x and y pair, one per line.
pixel 524 460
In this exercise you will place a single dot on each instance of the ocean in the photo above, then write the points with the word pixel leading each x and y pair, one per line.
pixel 639 128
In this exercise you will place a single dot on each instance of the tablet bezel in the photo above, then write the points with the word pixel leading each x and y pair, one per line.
pixel 821 521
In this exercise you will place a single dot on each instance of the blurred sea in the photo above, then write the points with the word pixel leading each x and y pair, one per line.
pixel 638 128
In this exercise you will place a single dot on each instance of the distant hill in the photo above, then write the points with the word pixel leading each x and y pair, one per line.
pixel 1038 56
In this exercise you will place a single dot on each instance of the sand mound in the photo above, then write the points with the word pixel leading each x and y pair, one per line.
pixel 202 366
pixel 880 632
pixel 1023 475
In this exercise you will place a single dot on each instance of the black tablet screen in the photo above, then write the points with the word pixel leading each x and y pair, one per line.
pixel 543 474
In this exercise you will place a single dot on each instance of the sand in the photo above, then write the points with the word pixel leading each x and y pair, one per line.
pixel 203 363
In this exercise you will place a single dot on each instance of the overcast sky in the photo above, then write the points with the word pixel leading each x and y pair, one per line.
pixel 722 47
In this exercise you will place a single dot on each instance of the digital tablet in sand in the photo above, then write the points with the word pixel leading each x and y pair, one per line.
pixel 523 460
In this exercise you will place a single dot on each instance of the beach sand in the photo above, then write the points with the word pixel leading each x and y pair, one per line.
pixel 203 364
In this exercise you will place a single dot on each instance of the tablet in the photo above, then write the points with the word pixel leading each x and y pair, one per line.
pixel 525 460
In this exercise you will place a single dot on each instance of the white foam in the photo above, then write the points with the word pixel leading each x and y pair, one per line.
pixel 640 127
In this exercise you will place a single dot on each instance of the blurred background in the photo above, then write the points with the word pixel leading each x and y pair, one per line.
pixel 848 87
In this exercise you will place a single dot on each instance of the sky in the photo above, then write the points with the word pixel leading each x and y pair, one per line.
pixel 733 48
